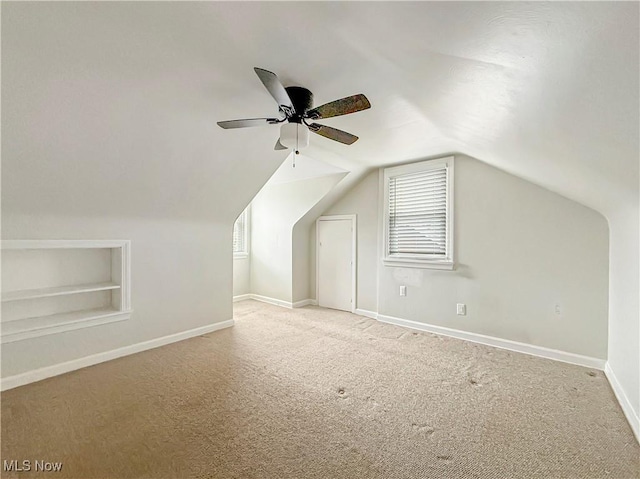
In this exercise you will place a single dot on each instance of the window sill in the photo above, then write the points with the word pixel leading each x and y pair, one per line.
pixel 417 263
pixel 240 255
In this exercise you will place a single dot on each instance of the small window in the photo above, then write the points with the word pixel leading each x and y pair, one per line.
pixel 419 214
pixel 241 235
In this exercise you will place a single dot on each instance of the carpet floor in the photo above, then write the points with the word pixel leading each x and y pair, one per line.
pixel 315 393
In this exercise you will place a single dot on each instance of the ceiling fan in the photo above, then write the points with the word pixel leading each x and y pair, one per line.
pixel 295 105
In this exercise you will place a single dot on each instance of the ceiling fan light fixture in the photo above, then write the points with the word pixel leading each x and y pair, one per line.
pixel 294 135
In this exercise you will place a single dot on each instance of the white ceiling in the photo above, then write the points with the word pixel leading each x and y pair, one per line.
pixel 130 92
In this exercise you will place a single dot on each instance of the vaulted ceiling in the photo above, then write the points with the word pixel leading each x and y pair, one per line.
pixel 119 101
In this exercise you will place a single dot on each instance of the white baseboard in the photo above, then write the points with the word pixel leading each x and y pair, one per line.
pixel 276 302
pixel 595 363
pixel 366 313
pixel 241 297
pixel 524 348
pixel 625 404
pixel 305 302
pixel 57 369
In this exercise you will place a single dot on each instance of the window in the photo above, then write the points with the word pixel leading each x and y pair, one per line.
pixel 418 215
pixel 241 235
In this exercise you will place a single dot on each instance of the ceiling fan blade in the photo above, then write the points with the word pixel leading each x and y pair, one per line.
pixel 333 133
pixel 247 123
pixel 279 146
pixel 344 106
pixel 275 88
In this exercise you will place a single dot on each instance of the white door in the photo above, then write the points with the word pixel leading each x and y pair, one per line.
pixel 335 270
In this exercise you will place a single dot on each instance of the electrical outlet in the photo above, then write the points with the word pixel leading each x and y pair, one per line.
pixel 558 309
pixel 461 309
pixel 403 290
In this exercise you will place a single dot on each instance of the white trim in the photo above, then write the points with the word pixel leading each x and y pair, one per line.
pixel 336 217
pixel 276 302
pixel 354 254
pixel 57 369
pixel 524 348
pixel 416 261
pixel 366 313
pixel 61 323
pixel 380 237
pixel 49 244
pixel 241 297
pixel 125 279
pixel 303 303
pixel 33 327
pixel 623 400
pixel 553 354
pixel 57 291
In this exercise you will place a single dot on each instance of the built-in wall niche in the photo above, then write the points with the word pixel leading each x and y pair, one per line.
pixel 52 286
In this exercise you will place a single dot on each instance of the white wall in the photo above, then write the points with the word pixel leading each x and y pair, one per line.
pixel 179 281
pixel 301 254
pixel 304 265
pixel 362 199
pixel 241 275
pixel 274 212
pixel 624 308
pixel 108 132
pixel 520 249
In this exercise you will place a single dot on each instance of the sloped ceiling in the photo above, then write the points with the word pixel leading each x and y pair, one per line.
pixel 302 167
pixel 110 108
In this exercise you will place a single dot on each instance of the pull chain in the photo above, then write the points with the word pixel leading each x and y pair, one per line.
pixel 297 152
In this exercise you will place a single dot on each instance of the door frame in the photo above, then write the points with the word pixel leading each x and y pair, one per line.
pixel 354 255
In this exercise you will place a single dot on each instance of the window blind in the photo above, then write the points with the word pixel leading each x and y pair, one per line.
pixel 239 233
pixel 418 213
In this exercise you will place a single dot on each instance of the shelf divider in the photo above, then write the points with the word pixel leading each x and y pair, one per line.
pixel 57 291
pixel 41 325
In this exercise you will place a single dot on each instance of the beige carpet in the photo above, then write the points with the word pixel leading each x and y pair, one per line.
pixel 315 393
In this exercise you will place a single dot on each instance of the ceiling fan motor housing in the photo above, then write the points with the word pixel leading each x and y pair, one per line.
pixel 302 100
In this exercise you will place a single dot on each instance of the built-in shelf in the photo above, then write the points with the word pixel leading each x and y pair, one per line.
pixel 97 279
pixel 55 323
pixel 57 291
